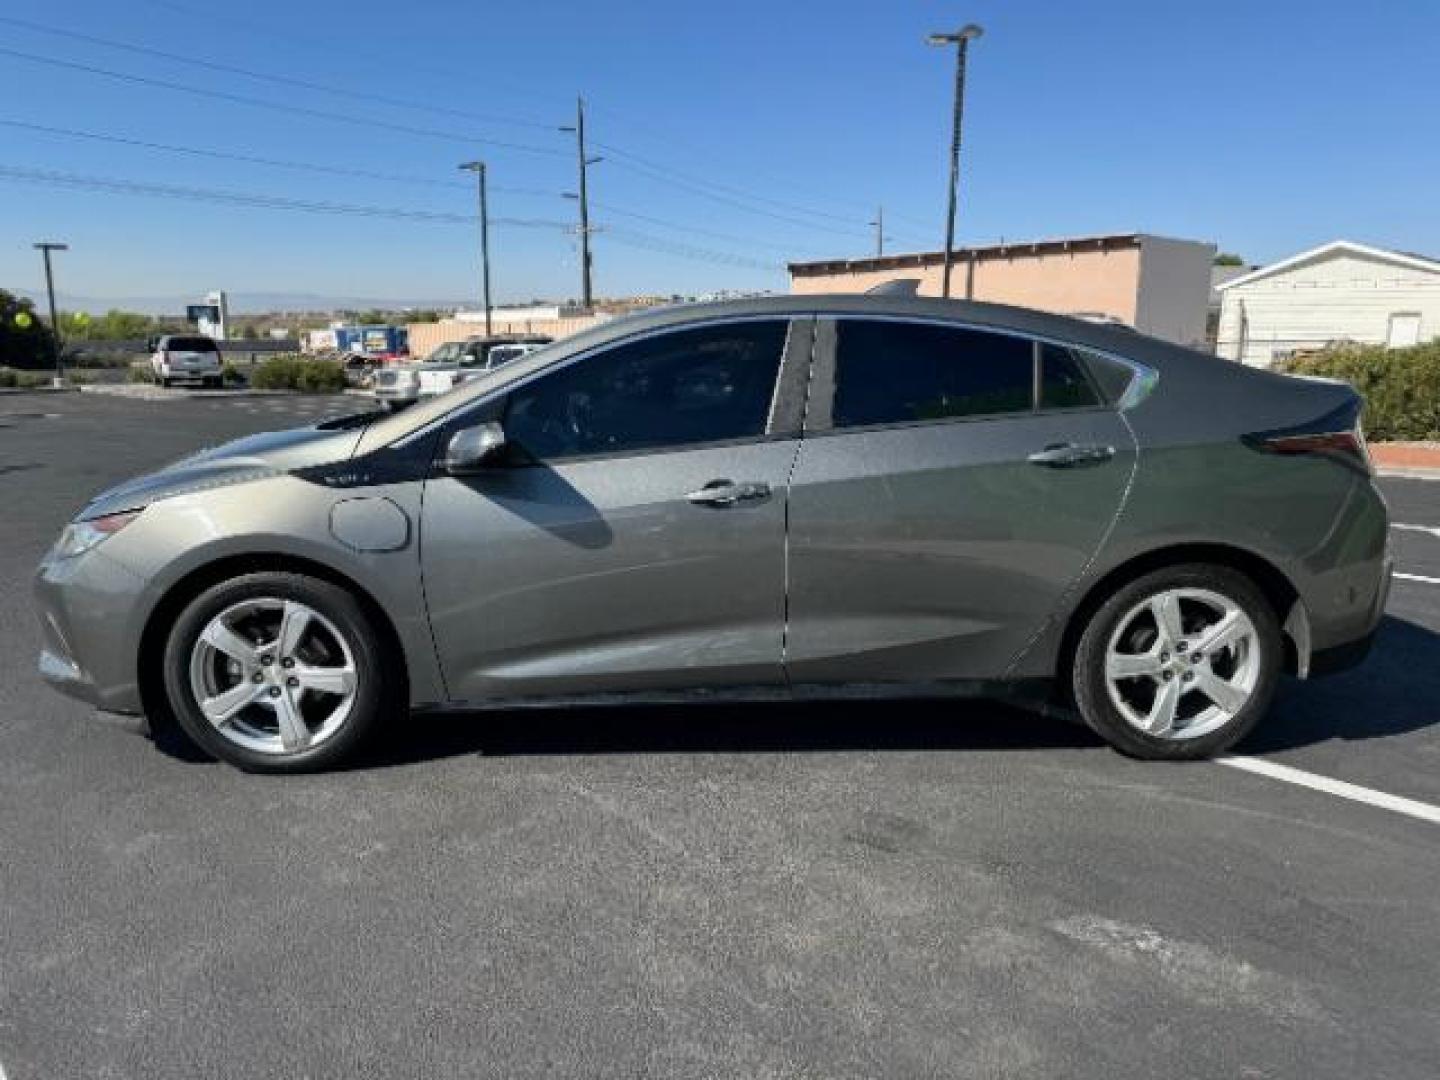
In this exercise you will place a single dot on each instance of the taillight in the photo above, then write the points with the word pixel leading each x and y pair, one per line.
pixel 1345 444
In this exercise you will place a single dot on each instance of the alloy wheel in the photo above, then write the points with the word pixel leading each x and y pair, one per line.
pixel 273 675
pixel 1182 663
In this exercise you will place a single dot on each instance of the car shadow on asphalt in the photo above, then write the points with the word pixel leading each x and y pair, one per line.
pixel 745 728
pixel 1392 693
pixel 1395 691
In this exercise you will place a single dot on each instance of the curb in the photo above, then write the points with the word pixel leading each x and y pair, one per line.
pixel 1407 472
pixel 154 393
pixel 4 390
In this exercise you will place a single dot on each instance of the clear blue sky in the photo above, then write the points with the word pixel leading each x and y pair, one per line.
pixel 1264 127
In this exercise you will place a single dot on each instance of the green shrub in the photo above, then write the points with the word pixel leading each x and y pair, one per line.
pixel 1401 387
pixel 23 380
pixel 280 372
pixel 322 377
pixel 140 372
pixel 291 372
pixel 231 375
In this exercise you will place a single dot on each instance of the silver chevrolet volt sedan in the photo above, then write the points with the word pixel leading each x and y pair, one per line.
pixel 797 497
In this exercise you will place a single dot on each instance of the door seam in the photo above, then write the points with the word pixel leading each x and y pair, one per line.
pixel 789 481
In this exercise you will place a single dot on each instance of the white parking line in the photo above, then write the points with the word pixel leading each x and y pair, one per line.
pixel 1316 782
pixel 1433 530
pixel 1417 577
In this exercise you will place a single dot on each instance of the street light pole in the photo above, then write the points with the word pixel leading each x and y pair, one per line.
pixel 45 247
pixel 879 224
pixel 478 168
pixel 961 40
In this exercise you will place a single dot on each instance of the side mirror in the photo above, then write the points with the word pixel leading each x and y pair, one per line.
pixel 475 448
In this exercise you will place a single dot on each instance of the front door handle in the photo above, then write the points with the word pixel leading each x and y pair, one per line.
pixel 1069 456
pixel 728 492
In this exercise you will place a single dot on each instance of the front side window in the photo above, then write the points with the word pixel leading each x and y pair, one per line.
pixel 898 372
pixel 700 385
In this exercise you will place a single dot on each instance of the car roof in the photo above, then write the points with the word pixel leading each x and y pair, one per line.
pixel 1121 340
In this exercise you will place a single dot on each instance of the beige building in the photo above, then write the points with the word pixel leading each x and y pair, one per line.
pixel 1156 284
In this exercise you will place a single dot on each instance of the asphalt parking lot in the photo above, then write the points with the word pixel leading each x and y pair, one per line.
pixel 856 890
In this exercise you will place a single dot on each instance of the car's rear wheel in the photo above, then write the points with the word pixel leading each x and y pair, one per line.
pixel 1180 663
pixel 276 672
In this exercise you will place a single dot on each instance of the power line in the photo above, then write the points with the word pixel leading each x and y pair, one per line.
pixel 693 229
pixel 280 163
pixel 266 30
pixel 666 170
pixel 256 200
pixel 338 170
pixel 697 149
pixel 118 185
pixel 285 80
pixel 688 251
pixel 189 60
pixel 299 110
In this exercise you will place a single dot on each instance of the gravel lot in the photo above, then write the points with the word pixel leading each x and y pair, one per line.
pixel 854 890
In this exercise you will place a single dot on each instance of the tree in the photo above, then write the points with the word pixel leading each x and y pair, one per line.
pixel 1227 258
pixel 25 342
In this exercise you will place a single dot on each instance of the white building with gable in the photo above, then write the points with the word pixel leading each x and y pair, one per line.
pixel 1339 292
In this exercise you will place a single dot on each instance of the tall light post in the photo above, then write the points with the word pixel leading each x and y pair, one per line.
pixel 961 40
pixel 478 168
pixel 45 247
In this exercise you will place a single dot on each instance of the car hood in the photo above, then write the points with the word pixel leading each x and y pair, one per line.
pixel 253 457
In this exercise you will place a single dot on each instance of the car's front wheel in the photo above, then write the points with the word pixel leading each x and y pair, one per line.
pixel 1179 664
pixel 276 672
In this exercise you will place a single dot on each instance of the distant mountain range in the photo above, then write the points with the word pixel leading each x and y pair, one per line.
pixel 240 302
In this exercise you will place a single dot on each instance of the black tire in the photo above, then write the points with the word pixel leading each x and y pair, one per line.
pixel 164 383
pixel 375 694
pixel 212 384
pixel 1088 676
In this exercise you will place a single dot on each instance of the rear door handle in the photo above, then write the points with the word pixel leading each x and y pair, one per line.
pixel 1069 456
pixel 728 492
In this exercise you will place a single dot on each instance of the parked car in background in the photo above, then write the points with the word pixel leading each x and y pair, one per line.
pixel 788 497
pixel 186 357
pixel 449 365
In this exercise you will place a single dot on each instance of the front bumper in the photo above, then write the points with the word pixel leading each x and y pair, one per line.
pixel 88 651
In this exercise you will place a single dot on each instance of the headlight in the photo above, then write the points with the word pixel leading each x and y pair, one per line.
pixel 80 536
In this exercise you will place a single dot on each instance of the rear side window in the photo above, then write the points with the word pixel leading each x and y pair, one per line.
pixel 897 372
pixel 706 384
pixel 1063 381
pixel 190 344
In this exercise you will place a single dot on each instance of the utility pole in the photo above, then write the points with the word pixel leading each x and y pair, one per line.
pixel 879 224
pixel 961 40
pixel 45 247
pixel 586 294
pixel 478 168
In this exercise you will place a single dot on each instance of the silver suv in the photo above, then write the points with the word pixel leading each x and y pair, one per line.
pixel 781 498
pixel 190 357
